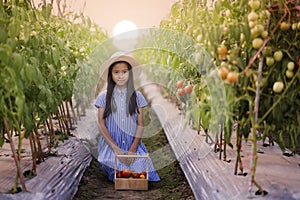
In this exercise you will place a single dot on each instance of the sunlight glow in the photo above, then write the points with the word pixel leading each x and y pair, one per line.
pixel 125 33
pixel 123 26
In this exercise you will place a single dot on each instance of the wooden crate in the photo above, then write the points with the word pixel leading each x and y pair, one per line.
pixel 131 183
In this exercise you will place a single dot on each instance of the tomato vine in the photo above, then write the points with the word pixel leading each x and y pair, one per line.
pixel 42 57
pixel 251 44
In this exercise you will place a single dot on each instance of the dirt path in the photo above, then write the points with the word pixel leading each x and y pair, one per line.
pixel 173 185
pixel 94 185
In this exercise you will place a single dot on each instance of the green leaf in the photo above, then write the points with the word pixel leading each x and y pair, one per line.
pixel 55 55
pixel 20 103
pixel 205 116
pixel 43 106
pixel 17 61
pixel 3 35
pixel 13 29
pixel 46 11
pixel 12 43
pixel 5 54
pixel 195 113
pixel 30 73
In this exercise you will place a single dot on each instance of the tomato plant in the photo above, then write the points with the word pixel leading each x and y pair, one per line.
pixel 253 45
pixel 40 58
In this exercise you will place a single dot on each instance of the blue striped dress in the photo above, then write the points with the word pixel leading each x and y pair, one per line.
pixel 122 129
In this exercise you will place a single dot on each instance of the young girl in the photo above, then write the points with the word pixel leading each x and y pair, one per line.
pixel 120 119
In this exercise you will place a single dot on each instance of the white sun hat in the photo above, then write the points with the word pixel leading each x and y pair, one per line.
pixel 116 57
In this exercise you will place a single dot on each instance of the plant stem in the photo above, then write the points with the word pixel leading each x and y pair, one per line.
pixel 33 153
pixel 257 95
pixel 254 156
pixel 73 112
pixel 69 116
pixel 51 131
pixel 238 149
pixel 39 150
pixel 220 142
pixel 64 120
pixel 13 149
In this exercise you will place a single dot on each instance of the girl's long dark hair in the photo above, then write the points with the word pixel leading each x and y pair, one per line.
pixel 130 96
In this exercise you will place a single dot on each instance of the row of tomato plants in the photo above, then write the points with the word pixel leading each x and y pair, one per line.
pixel 44 66
pixel 242 60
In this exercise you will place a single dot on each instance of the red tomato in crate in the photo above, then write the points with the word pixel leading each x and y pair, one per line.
pixel 119 175
pixel 126 173
pixel 135 175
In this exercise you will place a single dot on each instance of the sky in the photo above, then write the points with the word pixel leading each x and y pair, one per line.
pixel 107 13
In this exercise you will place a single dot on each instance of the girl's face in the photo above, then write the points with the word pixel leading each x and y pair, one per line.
pixel 120 74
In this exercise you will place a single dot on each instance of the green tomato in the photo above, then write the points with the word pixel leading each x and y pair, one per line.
pixel 264 34
pixel 252 24
pixel 252 16
pixel 264 14
pixel 257 43
pixel 254 4
pixel 260 28
pixel 263 82
pixel 289 74
pixel 267 51
pixel 291 66
pixel 270 61
pixel 278 86
pixel 254 32
pixel 284 26
pixel 278 56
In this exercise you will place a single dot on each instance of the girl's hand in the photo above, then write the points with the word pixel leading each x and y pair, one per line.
pixel 130 160
pixel 118 151
pixel 132 150
pixel 126 161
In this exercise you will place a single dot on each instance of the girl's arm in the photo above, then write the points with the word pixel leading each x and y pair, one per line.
pixel 106 134
pixel 138 133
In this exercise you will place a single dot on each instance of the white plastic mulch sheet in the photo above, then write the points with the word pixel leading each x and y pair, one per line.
pixel 57 177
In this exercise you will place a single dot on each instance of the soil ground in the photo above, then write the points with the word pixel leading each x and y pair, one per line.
pixel 173 184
